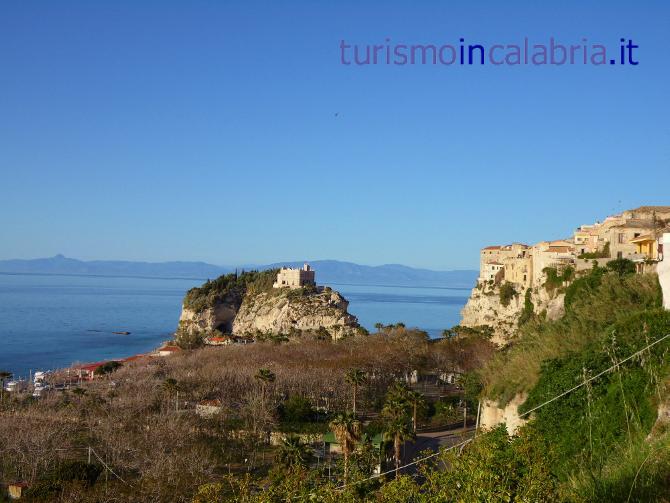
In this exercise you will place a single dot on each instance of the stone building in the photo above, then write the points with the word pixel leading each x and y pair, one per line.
pixel 509 262
pixel 295 278
pixel 633 234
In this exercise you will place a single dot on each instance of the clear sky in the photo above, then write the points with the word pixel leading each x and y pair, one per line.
pixel 230 132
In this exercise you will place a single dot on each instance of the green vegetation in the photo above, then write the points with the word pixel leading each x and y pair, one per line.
pixel 601 442
pixel 484 331
pixel 593 304
pixel 597 436
pixel 231 286
pixel 507 293
pixel 107 368
pixel 555 279
pixel 528 308
pixel 293 453
pixel 583 427
pixel 49 487
pixel 604 253
pixel 355 377
pixel 621 266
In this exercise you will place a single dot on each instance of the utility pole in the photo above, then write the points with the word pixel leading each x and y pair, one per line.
pixel 465 416
pixel 479 408
pixel 89 454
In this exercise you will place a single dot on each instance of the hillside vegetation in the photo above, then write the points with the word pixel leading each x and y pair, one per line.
pixel 601 438
pixel 604 441
pixel 593 303
pixel 233 284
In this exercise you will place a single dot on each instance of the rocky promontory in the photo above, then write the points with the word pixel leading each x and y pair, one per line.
pixel 247 305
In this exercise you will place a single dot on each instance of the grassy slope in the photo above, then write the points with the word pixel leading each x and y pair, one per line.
pixel 593 305
pixel 598 436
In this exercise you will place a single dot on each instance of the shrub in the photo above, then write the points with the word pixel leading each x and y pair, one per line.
pixel 585 425
pixel 296 409
pixel 621 266
pixel 604 253
pixel 232 286
pixel 555 280
pixel 507 293
pixel 528 308
pixel 108 368
pixel 485 331
pixel 593 303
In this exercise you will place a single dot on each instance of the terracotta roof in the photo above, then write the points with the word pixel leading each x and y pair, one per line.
pixel 491 248
pixel 90 366
pixel 133 358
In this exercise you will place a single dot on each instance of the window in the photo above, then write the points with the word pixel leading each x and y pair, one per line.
pixel 622 238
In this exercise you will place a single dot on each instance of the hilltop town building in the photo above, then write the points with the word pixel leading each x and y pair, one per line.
pixel 634 234
pixel 295 278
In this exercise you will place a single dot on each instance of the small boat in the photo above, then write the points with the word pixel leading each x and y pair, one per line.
pixel 121 333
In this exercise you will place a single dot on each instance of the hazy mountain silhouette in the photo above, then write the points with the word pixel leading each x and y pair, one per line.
pixel 328 271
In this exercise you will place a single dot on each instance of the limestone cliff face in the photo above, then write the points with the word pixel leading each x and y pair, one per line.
pixel 219 317
pixel 484 307
pixel 492 414
pixel 270 312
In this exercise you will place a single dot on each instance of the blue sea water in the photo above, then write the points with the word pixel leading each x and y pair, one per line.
pixel 52 321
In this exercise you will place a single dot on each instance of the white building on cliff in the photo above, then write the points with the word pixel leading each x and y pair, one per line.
pixel 295 278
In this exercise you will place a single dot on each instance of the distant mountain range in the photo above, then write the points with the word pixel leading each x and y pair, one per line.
pixel 328 271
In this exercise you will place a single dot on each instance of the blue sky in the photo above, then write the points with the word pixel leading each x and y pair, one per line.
pixel 208 130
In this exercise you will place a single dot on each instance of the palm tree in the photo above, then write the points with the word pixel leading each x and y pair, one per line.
pixel 397 427
pixel 347 431
pixel 4 375
pixel 293 453
pixel 379 326
pixel 355 377
pixel 417 401
pixel 413 400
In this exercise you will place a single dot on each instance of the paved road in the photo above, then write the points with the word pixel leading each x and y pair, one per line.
pixel 433 441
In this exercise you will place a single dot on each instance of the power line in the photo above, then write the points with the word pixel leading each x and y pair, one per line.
pixel 91 449
pixel 596 376
pixel 630 357
pixel 408 464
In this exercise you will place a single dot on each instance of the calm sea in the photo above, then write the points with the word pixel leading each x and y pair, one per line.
pixel 49 321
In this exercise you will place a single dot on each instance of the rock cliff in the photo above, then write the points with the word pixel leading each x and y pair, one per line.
pixel 286 312
pixel 492 414
pixel 485 307
pixel 246 306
